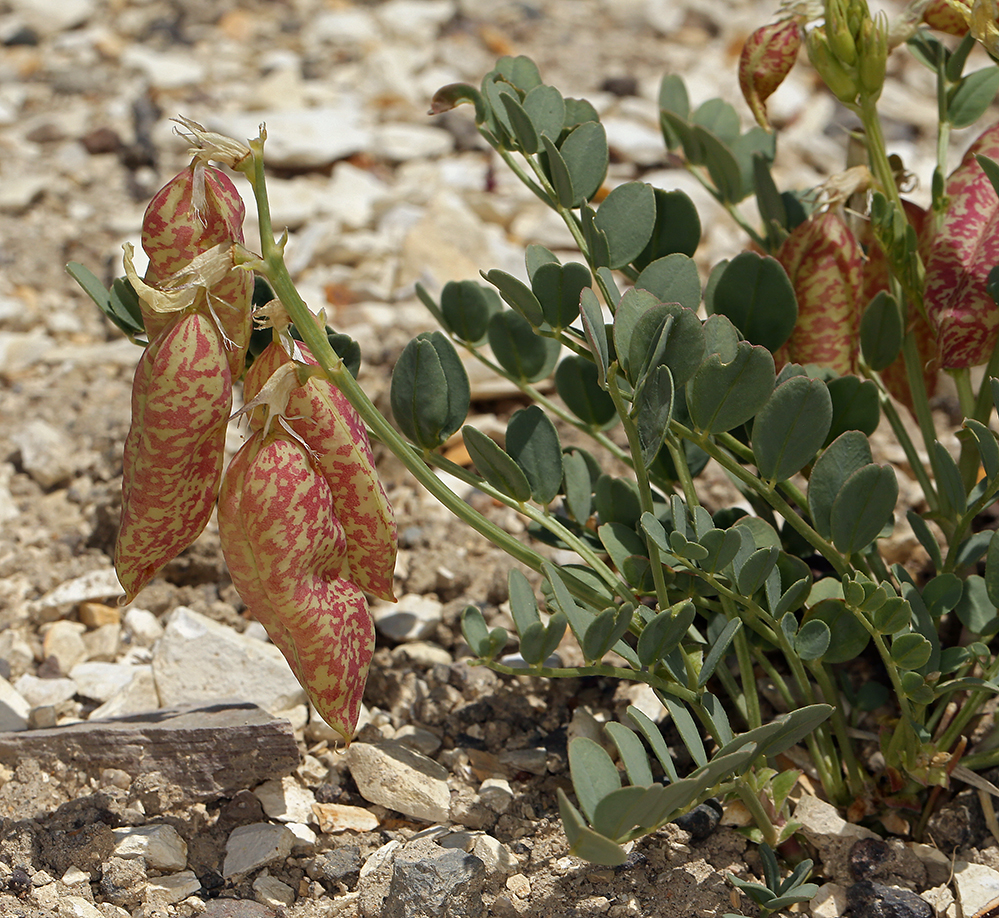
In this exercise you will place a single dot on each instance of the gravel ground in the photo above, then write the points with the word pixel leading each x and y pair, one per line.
pixel 377 196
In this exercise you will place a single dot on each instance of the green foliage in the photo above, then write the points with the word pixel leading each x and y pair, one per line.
pixel 689 599
pixel 781 396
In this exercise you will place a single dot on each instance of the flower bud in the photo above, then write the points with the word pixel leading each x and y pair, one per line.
pixel 766 59
pixel 823 260
pixel 965 250
pixel 840 30
pixel 841 79
pixel 873 55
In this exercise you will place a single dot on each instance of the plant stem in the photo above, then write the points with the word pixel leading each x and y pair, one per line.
pixel 273 265
pixel 854 773
pixel 821 758
pixel 905 441
pixel 642 480
pixel 600 669
pixel 542 518
pixel 968 711
pixel 540 398
pixel 968 461
pixel 732 210
pixel 769 494
pixel 763 821
pixel 754 717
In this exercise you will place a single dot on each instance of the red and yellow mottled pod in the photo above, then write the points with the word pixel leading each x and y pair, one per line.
pixel 948 16
pixel 196 210
pixel 824 260
pixel 965 249
pixel 287 554
pixel 767 57
pixel 875 279
pixel 328 424
pixel 181 399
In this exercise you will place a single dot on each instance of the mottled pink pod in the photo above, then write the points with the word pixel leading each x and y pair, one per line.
pixel 875 279
pixel 287 554
pixel 196 210
pixel 767 57
pixel 950 16
pixel 965 249
pixel 824 260
pixel 328 424
pixel 181 399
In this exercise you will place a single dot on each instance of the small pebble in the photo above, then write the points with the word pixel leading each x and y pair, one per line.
pixel 702 820
pixel 874 900
pixel 519 885
pixel 870 857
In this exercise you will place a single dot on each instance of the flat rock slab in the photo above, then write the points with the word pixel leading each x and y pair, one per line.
pixel 201 751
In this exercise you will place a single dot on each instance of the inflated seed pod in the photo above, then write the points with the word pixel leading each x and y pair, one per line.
pixel 287 554
pixel 766 59
pixel 181 399
pixel 328 424
pixel 198 209
pixel 823 260
pixel 875 279
pixel 951 16
pixel 965 250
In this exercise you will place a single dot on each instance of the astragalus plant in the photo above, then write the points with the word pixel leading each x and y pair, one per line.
pixel 846 306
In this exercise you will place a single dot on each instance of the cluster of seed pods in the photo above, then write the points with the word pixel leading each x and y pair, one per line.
pixel 305 524
pixel 196 307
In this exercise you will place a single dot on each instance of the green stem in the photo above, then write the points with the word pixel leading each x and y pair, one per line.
pixel 983 404
pixel 753 714
pixel 537 396
pixel 760 816
pixel 854 773
pixel 905 441
pixel 272 264
pixel 769 494
pixel 822 753
pixel 968 461
pixel 920 401
pixel 683 472
pixel 600 669
pixel 969 710
pixel 642 480
pixel 732 210
pixel 964 524
pixel 903 736
pixel 542 518
pixel 874 138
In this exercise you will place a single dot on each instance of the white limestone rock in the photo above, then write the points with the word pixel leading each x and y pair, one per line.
pixel 159 844
pixel 395 776
pixel 198 659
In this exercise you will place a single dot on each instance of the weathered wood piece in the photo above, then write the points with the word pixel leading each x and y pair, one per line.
pixel 176 755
